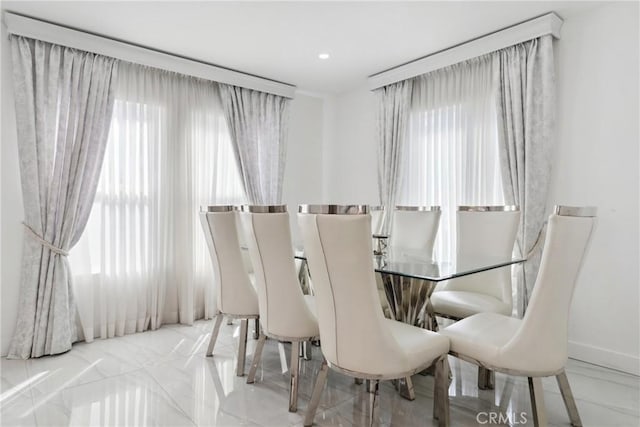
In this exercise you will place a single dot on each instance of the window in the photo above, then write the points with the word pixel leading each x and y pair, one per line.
pixel 142 260
pixel 450 156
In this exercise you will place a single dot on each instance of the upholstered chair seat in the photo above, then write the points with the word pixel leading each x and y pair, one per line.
pixel 416 346
pixel 461 304
pixel 484 338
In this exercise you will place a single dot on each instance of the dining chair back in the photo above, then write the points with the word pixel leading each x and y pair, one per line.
pixel 351 338
pixel 283 310
pixel 484 232
pixel 541 341
pixel 236 296
pixel 285 313
pixel 415 227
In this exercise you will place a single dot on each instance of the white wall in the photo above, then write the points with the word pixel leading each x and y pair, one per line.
pixel 10 203
pixel 596 164
pixel 351 156
pixel 303 175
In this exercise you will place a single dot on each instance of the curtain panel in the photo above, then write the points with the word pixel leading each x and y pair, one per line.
pixel 450 155
pixel 258 124
pixel 393 102
pixel 526 113
pixel 143 260
pixel 64 100
pixel 480 132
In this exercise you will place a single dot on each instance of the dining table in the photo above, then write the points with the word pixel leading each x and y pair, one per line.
pixel 408 277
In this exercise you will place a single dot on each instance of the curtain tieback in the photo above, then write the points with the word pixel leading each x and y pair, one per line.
pixel 539 240
pixel 43 242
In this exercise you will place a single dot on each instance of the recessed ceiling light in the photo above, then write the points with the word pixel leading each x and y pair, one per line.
pixel 323 55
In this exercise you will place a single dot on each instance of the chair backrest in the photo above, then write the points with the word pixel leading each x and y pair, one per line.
pixel 337 242
pixel 486 231
pixel 542 339
pixel 283 310
pixel 233 288
pixel 415 227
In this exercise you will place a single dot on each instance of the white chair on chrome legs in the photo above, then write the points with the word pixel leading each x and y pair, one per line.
pixel 355 337
pixel 535 346
pixel 285 313
pixel 236 296
pixel 483 231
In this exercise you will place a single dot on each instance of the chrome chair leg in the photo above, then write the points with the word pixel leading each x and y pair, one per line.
pixel 283 358
pixel 256 331
pixel 441 392
pixel 405 386
pixel 569 401
pixel 294 376
pixel 486 379
pixel 256 359
pixel 306 350
pixel 373 395
pixel 214 334
pixel 321 380
pixel 537 402
pixel 242 347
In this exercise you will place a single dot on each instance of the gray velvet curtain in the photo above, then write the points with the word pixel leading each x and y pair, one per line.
pixel 393 104
pixel 64 100
pixel 258 123
pixel 526 121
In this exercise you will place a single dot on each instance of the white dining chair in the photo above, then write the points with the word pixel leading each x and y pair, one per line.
pixel 355 337
pixel 285 313
pixel 535 346
pixel 415 227
pixel 236 296
pixel 482 231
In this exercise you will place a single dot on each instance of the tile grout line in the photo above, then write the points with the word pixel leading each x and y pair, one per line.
pixel 171 399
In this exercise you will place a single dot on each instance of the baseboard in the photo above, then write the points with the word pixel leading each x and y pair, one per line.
pixel 603 357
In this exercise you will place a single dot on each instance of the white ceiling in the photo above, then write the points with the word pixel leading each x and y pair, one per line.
pixel 281 40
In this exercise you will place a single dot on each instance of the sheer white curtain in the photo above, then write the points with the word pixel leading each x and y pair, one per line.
pixel 450 155
pixel 142 260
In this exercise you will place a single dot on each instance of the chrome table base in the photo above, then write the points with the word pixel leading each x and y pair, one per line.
pixel 408 299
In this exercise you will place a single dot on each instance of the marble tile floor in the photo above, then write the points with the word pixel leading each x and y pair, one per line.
pixel 163 378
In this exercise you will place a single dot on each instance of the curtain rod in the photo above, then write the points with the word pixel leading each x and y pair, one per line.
pixel 519 33
pixel 81 40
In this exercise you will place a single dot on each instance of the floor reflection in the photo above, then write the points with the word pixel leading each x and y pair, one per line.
pixel 163 378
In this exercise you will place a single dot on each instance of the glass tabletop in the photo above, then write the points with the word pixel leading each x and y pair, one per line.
pixel 419 265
